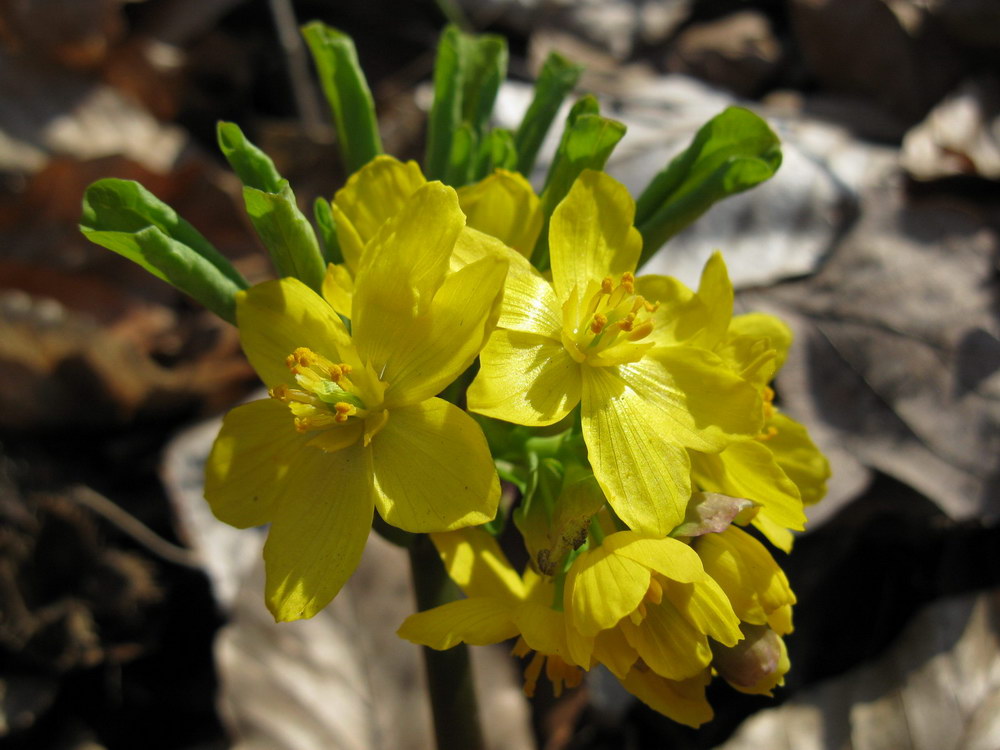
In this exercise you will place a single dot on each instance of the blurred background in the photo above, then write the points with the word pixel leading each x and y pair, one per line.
pixel 129 618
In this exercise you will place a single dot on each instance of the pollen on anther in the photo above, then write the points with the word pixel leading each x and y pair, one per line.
pixel 607 285
pixel 627 322
pixel 628 281
pixel 344 410
pixel 597 324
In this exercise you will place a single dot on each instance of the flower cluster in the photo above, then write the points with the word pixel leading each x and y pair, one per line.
pixel 432 339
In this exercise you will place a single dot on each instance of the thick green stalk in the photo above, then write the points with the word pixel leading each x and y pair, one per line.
pixel 449 673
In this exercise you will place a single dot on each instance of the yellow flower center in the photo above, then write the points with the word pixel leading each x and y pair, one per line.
pixel 605 324
pixel 325 396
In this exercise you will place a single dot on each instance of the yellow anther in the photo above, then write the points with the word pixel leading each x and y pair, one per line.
pixel 607 285
pixel 279 392
pixel 301 424
pixel 769 432
pixel 642 331
pixel 628 281
pixel 344 410
pixel 597 324
pixel 651 306
pixel 627 322
pixel 767 395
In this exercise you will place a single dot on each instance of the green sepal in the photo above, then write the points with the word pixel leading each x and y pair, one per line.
pixel 124 217
pixel 323 215
pixel 556 79
pixel 347 92
pixel 586 143
pixel 274 213
pixel 462 158
pixel 468 72
pixel 732 152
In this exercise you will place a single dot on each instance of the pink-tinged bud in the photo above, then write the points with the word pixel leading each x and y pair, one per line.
pixel 756 664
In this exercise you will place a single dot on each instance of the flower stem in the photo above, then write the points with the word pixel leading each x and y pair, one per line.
pixel 449 673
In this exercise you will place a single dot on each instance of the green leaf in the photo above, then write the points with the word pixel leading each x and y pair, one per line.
pixel 586 143
pixel 556 79
pixel 323 215
pixel 124 217
pixel 284 230
pixel 287 234
pixel 347 92
pixel 252 166
pixel 467 75
pixel 732 152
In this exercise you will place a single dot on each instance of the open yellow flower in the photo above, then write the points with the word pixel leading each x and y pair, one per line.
pixel 500 604
pixel 502 205
pixel 591 338
pixel 352 423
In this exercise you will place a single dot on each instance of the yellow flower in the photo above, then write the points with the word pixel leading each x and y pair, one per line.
pixel 761 597
pixel 500 604
pixel 780 468
pixel 591 338
pixel 635 597
pixel 502 205
pixel 352 423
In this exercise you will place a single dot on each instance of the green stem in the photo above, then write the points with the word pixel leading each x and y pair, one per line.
pixel 449 673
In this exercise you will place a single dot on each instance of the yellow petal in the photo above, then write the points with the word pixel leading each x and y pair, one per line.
pixel 477 621
pixel 612 649
pixel 529 303
pixel 702 403
pixel 433 469
pixel 476 563
pixel 591 234
pixel 251 458
pixel 437 347
pixel 338 288
pixel 749 576
pixel 705 606
pixel 277 317
pixel 402 269
pixel 543 629
pixel 716 293
pixel 504 206
pixel 318 531
pixel 670 558
pixel 681 314
pixel 800 459
pixel 775 533
pixel 525 378
pixel 602 588
pixel 668 644
pixel 373 194
pixel 748 469
pixel 683 702
pixel 640 467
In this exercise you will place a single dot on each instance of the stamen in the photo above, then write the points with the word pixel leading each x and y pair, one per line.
pixel 531 673
pixel 628 281
pixel 344 410
pixel 627 322
pixel 597 324
pixel 607 285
